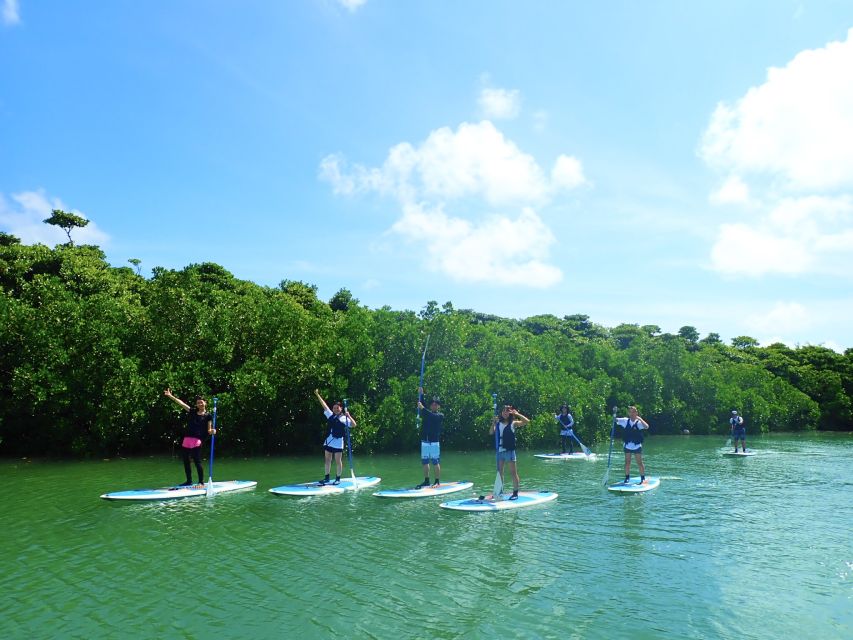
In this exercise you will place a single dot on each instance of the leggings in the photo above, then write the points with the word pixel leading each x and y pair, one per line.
pixel 195 454
pixel 564 440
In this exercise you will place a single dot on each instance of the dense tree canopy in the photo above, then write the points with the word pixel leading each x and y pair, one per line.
pixel 86 350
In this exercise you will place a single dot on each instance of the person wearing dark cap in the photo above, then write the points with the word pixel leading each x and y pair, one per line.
pixel 566 422
pixel 738 430
pixel 433 421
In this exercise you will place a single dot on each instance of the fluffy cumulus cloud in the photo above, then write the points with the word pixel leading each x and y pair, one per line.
pixel 24 217
pixel 10 12
pixel 809 234
pixel 474 161
pixel 474 168
pixel 797 126
pixel 498 249
pixel 500 104
pixel 786 148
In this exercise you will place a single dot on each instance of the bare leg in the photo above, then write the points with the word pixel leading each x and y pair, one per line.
pixel 639 457
pixel 328 461
pixel 627 464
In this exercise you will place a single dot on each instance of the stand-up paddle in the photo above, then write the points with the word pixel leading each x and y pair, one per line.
pixel 349 446
pixel 421 383
pixel 584 448
pixel 212 438
pixel 499 481
pixel 610 453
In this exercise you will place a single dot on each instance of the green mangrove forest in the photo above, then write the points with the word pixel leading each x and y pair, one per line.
pixel 86 350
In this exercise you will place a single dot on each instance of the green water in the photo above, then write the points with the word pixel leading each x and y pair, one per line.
pixel 725 548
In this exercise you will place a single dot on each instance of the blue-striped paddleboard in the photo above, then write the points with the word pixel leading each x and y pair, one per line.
pixel 171 493
pixel 316 489
pixel 425 492
pixel 633 485
pixel 525 499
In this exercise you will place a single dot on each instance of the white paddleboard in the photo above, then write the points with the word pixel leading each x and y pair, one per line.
pixel 171 493
pixel 525 499
pixel 577 455
pixel 739 454
pixel 425 492
pixel 316 489
pixel 633 485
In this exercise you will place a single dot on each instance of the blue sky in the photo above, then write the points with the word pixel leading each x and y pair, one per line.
pixel 646 162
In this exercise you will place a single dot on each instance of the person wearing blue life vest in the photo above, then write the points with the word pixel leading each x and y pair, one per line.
pixel 566 422
pixel 333 446
pixel 632 436
pixel 433 421
pixel 738 430
pixel 506 426
pixel 199 425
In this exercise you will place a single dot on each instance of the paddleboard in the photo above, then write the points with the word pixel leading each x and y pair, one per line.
pixel 525 499
pixel 171 493
pixel 425 492
pixel 739 454
pixel 577 455
pixel 316 489
pixel 633 485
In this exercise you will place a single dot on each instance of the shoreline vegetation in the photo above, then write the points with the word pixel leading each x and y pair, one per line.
pixel 86 349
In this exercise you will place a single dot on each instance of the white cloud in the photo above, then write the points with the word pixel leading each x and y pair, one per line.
pixel 25 219
pixel 743 250
pixel 352 5
pixel 800 235
pixel 474 169
pixel 10 12
pixel 498 249
pixel 733 191
pixel 476 161
pixel 786 147
pixel 567 173
pixel 500 104
pixel 796 127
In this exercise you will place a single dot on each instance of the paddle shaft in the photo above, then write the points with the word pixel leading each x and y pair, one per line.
pixel 421 382
pixel 212 439
pixel 349 443
pixel 499 481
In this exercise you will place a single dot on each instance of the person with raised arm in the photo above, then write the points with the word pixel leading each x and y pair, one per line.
pixel 333 447
pixel 199 424
pixel 506 426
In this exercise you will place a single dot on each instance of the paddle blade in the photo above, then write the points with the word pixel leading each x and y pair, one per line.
pixel 210 487
pixel 499 485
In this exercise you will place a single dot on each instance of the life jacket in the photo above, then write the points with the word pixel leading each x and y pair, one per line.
pixel 507 438
pixel 632 433
pixel 336 428
pixel 566 421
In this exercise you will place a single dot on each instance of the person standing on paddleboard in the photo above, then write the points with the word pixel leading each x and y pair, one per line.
pixel 430 436
pixel 566 421
pixel 633 439
pixel 738 430
pixel 337 420
pixel 199 422
pixel 506 426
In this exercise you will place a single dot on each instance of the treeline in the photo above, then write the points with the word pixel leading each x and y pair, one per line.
pixel 86 350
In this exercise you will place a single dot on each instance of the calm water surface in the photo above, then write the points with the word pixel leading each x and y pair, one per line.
pixel 725 548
